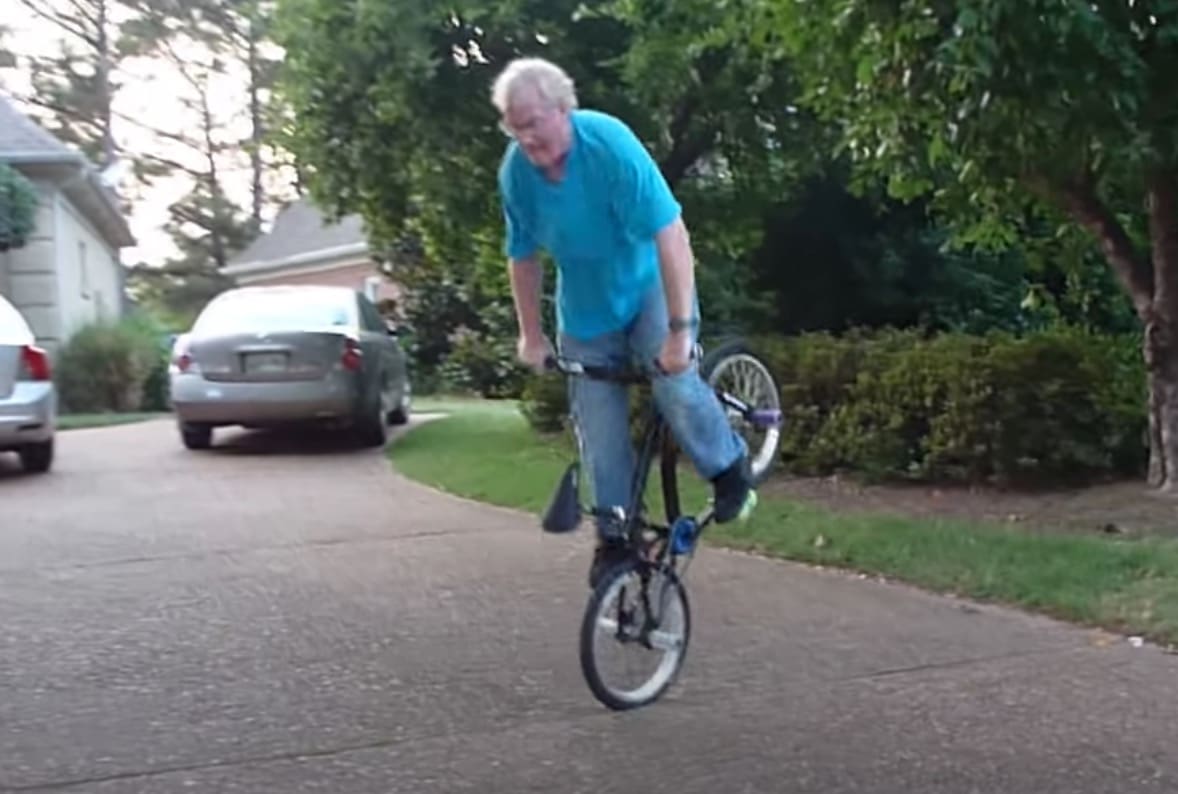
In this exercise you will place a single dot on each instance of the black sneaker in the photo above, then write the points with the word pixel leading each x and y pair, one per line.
pixel 609 552
pixel 733 491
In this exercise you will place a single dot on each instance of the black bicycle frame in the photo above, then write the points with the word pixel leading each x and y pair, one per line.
pixel 656 439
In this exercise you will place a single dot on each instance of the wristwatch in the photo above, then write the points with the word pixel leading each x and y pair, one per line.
pixel 682 323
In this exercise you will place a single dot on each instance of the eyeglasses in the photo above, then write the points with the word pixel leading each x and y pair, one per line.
pixel 529 127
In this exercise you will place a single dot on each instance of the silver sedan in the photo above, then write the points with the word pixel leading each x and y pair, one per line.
pixel 285 355
pixel 28 399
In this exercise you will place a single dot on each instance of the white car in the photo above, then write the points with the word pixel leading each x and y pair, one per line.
pixel 28 398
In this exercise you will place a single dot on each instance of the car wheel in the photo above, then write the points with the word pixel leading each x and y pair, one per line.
pixel 371 430
pixel 37 458
pixel 400 414
pixel 196 436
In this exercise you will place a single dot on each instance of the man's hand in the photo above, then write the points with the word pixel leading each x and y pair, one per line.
pixel 675 357
pixel 533 350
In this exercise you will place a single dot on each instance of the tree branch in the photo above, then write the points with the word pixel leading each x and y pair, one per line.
pixel 1078 197
pixel 686 148
pixel 84 12
pixel 170 163
pixel 685 153
pixel 64 24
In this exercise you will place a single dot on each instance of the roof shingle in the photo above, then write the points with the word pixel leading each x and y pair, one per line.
pixel 300 229
pixel 20 135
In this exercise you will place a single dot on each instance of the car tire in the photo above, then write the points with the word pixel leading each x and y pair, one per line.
pixel 370 428
pixel 400 414
pixel 37 458
pixel 196 436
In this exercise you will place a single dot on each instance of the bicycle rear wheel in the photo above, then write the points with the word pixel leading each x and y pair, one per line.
pixel 734 368
pixel 616 621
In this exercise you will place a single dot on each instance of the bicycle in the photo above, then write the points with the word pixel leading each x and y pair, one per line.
pixel 654 550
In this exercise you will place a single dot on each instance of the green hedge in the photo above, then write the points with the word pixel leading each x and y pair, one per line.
pixel 113 366
pixel 1056 405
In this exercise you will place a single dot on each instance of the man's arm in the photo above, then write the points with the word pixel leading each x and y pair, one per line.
pixel 526 280
pixel 523 269
pixel 678 268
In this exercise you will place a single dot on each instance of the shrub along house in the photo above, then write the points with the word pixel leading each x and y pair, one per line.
pixel 68 272
pixel 302 248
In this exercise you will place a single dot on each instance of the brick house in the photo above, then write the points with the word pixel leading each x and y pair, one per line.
pixel 302 249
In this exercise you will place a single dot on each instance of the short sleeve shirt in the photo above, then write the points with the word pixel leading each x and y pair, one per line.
pixel 598 222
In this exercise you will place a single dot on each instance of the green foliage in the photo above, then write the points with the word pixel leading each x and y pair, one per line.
pixel 393 100
pixel 113 366
pixel 481 363
pixel 1053 405
pixel 993 107
pixel 544 402
pixel 18 208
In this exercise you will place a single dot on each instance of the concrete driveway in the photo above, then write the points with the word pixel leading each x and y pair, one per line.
pixel 284 616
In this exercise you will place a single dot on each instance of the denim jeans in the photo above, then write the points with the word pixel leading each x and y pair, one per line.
pixel 600 410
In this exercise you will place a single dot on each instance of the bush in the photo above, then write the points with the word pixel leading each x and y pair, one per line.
pixel 544 402
pixel 1056 405
pixel 482 364
pixel 109 366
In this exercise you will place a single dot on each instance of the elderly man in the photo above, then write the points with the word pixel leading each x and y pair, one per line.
pixel 579 184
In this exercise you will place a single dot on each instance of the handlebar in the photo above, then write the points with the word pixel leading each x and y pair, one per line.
pixel 565 366
pixel 761 418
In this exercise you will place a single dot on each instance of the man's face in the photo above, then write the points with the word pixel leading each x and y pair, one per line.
pixel 540 128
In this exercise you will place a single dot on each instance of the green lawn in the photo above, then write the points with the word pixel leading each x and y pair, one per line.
pixel 487 452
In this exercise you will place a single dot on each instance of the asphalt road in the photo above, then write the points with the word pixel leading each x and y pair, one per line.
pixel 284 615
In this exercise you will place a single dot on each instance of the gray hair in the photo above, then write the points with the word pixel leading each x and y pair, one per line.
pixel 552 84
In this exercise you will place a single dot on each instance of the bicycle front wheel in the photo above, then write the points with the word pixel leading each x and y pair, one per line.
pixel 735 369
pixel 638 619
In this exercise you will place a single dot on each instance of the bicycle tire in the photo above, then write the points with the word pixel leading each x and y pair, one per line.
pixel 664 677
pixel 740 349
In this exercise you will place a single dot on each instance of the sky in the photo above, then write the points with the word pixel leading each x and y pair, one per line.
pixel 152 95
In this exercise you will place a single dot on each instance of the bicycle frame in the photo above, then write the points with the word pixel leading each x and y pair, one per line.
pixel 656 440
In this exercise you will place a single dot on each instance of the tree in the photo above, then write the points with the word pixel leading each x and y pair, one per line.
pixel 75 87
pixel 206 225
pixel 390 117
pixel 1007 109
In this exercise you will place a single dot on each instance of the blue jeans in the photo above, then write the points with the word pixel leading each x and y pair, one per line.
pixel 600 409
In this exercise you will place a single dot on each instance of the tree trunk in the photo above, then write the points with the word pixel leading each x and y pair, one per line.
pixel 257 134
pixel 1161 331
pixel 105 100
pixel 1152 284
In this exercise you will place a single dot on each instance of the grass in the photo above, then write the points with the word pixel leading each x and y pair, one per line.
pixel 81 421
pixel 488 452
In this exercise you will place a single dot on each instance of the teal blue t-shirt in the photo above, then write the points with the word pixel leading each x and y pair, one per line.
pixel 598 222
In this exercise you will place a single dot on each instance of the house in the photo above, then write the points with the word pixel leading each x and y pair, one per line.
pixel 302 248
pixel 69 272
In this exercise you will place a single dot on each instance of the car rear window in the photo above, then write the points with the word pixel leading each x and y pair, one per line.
pixel 13 328
pixel 287 311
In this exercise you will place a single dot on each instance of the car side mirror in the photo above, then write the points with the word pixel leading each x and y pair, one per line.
pixel 392 329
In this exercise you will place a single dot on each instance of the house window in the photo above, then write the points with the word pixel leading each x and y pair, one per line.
pixel 83 269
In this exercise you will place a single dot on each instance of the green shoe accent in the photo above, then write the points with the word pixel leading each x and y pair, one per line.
pixel 750 504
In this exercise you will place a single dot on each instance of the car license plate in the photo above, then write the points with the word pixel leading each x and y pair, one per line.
pixel 265 362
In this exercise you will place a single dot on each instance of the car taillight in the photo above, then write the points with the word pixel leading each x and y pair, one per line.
pixel 35 363
pixel 352 357
pixel 182 357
